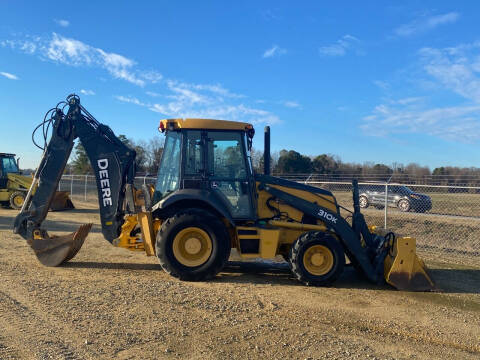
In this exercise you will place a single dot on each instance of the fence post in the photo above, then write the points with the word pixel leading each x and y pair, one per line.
pixel 86 181
pixel 386 202
pixel 71 185
pixel 308 178
pixel 386 205
pixel 144 180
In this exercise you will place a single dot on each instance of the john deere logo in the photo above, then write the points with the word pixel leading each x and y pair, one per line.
pixel 104 182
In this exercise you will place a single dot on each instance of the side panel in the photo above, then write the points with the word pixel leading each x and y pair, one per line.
pixel 263 211
pixel 16 181
pixel 4 195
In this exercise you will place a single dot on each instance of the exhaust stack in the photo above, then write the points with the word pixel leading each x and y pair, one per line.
pixel 266 152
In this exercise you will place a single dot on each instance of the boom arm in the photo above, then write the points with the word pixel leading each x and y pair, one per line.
pixel 112 161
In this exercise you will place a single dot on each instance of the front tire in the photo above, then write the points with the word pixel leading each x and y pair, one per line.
pixel 193 245
pixel 316 259
pixel 404 205
pixel 17 199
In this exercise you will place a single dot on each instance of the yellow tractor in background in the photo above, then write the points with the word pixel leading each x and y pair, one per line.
pixel 14 186
pixel 208 200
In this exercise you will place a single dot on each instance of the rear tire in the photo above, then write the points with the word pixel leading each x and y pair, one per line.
pixel 404 205
pixel 193 245
pixel 17 199
pixel 363 201
pixel 316 259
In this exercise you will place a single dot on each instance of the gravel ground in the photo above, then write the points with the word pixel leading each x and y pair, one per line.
pixel 109 303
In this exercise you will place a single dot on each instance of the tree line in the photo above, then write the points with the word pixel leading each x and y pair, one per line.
pixel 149 154
pixel 291 162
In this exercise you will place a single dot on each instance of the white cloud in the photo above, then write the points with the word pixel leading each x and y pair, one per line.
pixel 201 101
pixel 341 46
pixel 73 52
pixel 180 99
pixel 424 23
pixel 152 94
pixel 87 92
pixel 458 123
pixel 208 101
pixel 454 70
pixel 215 88
pixel 130 99
pixel 382 84
pixel 8 75
pixel 152 76
pixel 275 50
pixel 28 47
pixel 292 104
pixel 62 22
pixel 408 100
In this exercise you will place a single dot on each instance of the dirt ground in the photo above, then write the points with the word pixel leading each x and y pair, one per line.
pixel 109 303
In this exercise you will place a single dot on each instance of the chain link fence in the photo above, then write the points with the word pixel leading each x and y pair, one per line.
pixel 84 187
pixel 445 219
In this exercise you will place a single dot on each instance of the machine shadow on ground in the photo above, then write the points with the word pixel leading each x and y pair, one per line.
pixel 250 272
pixel 111 266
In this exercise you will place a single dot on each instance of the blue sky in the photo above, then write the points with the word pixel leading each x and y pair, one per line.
pixel 377 81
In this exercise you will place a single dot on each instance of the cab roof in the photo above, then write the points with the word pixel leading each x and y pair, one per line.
pixel 207 124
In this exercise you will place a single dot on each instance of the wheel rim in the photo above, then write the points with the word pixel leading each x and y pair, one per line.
pixel 192 247
pixel 318 260
pixel 403 205
pixel 18 200
pixel 363 201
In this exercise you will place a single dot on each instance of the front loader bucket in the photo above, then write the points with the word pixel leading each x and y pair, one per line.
pixel 56 250
pixel 404 270
pixel 61 201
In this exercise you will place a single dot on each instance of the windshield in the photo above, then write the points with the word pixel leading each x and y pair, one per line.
pixel 9 165
pixel 169 169
pixel 405 190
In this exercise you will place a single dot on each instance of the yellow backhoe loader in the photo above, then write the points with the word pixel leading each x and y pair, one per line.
pixel 208 200
pixel 14 186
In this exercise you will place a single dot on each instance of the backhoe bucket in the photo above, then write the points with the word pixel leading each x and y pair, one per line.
pixel 56 250
pixel 404 270
pixel 61 201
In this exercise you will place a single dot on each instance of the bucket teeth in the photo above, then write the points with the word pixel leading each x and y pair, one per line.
pixel 404 270
pixel 56 250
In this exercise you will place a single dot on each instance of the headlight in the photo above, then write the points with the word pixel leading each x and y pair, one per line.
pixel 415 196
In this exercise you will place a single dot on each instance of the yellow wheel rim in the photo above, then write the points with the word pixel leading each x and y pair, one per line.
pixel 318 260
pixel 18 200
pixel 192 247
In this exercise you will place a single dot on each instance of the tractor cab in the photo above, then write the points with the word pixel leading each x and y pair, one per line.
pixel 8 165
pixel 208 159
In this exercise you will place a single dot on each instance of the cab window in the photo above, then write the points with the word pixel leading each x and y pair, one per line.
pixel 226 159
pixel 228 171
pixel 194 153
pixel 9 165
pixel 169 170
